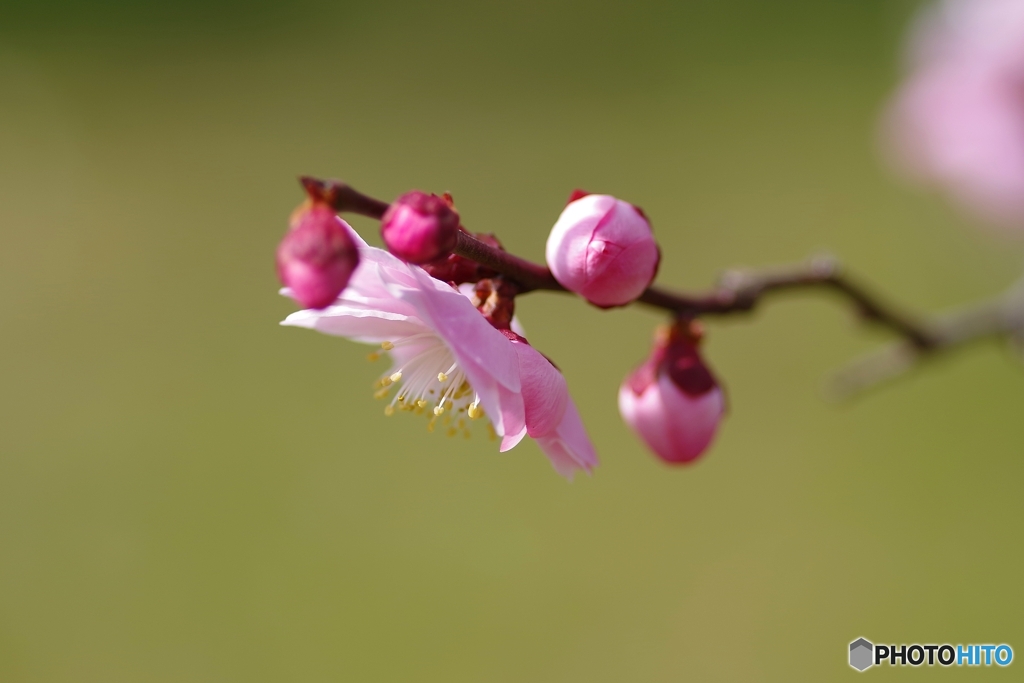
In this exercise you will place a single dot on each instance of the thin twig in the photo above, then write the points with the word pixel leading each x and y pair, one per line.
pixel 528 276
pixel 1001 318
pixel 741 291
pixel 343 198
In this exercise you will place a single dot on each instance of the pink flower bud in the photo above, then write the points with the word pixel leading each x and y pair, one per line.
pixel 603 249
pixel 672 401
pixel 420 227
pixel 317 256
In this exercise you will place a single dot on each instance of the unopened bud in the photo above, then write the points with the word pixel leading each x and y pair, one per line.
pixel 420 227
pixel 603 249
pixel 317 256
pixel 672 401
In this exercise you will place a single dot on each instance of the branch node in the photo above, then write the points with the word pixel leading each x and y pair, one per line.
pixel 824 266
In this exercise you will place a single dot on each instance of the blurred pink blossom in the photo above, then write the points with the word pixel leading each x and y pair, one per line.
pixel 603 249
pixel 672 401
pixel 958 120
pixel 450 363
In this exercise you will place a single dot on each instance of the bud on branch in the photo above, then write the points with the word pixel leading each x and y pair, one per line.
pixel 469 342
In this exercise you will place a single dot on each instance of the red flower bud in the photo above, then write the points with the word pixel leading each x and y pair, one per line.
pixel 317 256
pixel 420 227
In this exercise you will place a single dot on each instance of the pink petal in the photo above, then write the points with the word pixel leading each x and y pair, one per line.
pixel 569 448
pixel 483 353
pixel 545 394
pixel 361 325
pixel 508 415
pixel 470 336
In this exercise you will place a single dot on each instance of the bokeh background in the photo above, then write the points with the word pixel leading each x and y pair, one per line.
pixel 189 492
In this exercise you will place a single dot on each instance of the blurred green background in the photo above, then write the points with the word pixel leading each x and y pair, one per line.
pixel 189 492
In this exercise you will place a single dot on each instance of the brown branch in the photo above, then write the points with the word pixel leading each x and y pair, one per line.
pixel 738 292
pixel 528 276
pixel 741 291
pixel 343 198
pixel 1000 318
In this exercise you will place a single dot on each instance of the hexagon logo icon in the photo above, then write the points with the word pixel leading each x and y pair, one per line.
pixel 861 652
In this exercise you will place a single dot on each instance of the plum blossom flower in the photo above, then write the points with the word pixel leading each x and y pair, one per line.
pixel 672 401
pixel 450 363
pixel 603 249
pixel 958 120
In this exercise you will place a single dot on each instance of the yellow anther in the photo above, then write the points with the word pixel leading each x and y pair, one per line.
pixel 396 376
pixel 475 411
pixel 441 377
pixel 387 346
pixel 389 410
pixel 373 356
pixel 438 410
pixel 386 382
pixel 421 403
pixel 452 431
pixel 381 393
pixel 430 425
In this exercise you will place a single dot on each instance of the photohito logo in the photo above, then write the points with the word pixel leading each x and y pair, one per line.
pixel 864 654
pixel 860 654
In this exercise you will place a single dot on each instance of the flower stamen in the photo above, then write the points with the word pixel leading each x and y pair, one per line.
pixel 454 402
